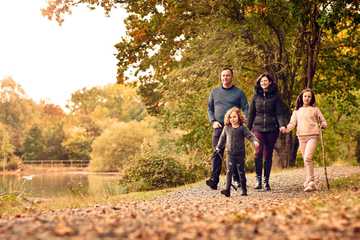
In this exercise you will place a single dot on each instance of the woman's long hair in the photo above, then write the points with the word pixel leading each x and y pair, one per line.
pixel 299 99
pixel 239 114
pixel 273 89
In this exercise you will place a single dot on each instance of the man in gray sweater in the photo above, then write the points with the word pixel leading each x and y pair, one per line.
pixel 220 100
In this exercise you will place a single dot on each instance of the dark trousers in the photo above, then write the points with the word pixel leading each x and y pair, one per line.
pixel 217 158
pixel 236 165
pixel 265 151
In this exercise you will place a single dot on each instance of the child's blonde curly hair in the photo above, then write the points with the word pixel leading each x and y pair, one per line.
pixel 238 112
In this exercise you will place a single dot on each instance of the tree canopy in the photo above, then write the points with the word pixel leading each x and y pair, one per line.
pixel 178 48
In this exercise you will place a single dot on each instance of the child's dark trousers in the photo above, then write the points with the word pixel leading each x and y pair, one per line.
pixel 236 164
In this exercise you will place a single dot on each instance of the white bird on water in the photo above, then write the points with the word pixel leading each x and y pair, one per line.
pixel 30 177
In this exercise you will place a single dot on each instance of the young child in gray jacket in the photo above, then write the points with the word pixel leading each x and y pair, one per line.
pixel 233 139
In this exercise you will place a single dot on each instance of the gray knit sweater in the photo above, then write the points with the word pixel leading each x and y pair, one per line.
pixel 233 139
pixel 222 99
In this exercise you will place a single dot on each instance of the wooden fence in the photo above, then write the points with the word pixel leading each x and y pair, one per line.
pixel 58 163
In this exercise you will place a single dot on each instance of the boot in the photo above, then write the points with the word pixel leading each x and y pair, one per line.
pixel 258 180
pixel 243 187
pixel 267 170
pixel 226 191
pixel 242 176
pixel 267 185
pixel 243 191
pixel 211 184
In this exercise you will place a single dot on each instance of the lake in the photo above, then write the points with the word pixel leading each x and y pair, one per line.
pixel 50 185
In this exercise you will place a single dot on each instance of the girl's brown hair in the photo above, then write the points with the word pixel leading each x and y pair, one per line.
pixel 238 112
pixel 299 99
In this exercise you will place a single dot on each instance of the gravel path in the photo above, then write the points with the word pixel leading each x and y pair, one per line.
pixel 195 213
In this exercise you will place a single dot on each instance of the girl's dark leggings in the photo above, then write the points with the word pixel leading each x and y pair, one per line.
pixel 217 160
pixel 236 165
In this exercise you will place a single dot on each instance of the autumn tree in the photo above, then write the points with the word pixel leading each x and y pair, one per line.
pixel 178 48
pixel 6 148
pixel 77 143
pixel 111 101
pixel 34 144
pixel 17 110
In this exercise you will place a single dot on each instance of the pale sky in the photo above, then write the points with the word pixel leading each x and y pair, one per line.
pixel 51 61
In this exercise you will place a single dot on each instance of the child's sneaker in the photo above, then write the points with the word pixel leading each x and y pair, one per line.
pixel 310 187
pixel 225 192
pixel 317 183
pixel 306 183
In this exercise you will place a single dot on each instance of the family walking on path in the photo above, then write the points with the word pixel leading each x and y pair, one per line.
pixel 227 105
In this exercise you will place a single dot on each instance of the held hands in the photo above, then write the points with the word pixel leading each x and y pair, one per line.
pixel 283 130
pixel 256 145
pixel 216 124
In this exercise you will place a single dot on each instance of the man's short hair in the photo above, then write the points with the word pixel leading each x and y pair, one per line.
pixel 228 68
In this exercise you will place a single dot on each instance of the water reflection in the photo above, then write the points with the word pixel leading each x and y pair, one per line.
pixel 63 184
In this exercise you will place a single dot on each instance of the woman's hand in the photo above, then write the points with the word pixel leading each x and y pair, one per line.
pixel 283 130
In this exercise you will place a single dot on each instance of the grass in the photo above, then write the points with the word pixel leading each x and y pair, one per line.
pixel 342 192
pixel 13 203
pixel 347 182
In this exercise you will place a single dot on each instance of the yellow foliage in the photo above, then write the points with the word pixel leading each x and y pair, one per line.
pixel 119 143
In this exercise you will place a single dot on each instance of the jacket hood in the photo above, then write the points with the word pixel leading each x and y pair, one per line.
pixel 273 89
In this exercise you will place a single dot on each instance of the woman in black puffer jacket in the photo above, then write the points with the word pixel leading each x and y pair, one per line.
pixel 266 116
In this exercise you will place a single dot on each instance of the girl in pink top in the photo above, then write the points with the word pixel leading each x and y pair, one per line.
pixel 308 119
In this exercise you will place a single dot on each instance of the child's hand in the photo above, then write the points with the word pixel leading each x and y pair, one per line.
pixel 256 144
pixel 283 130
pixel 216 124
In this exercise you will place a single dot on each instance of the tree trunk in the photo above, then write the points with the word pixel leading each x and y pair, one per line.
pixel 357 151
pixel 294 150
pixel 282 150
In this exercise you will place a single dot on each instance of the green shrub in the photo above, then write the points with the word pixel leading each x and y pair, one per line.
pixel 196 165
pixel 78 146
pixel 12 163
pixel 249 165
pixel 155 172
pixel 119 143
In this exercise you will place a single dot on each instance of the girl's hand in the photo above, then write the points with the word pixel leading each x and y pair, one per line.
pixel 256 144
pixel 283 130
pixel 216 124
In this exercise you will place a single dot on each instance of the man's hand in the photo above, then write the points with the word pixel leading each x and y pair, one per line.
pixel 216 124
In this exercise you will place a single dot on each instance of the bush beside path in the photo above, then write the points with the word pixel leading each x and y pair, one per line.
pixel 196 212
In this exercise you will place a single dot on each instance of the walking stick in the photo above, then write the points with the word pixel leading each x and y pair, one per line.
pixel 324 160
